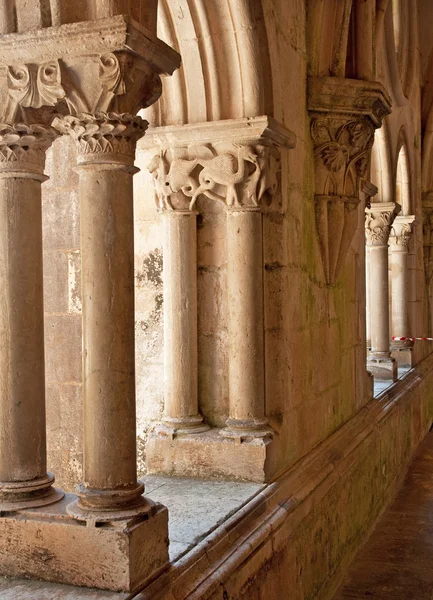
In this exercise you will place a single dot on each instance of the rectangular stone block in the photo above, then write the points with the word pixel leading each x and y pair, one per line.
pixel 47 544
pixel 207 455
pixel 385 369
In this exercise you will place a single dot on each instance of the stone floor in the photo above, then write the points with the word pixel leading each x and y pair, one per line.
pixel 195 509
pixel 397 561
pixel 381 385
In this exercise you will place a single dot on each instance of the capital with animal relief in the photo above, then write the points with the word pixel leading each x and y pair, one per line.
pixel 240 176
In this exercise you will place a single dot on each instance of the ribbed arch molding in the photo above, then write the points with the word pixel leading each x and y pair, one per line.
pixel 225 71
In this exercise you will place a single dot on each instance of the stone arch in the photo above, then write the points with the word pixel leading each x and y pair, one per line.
pixel 342 37
pixel 403 194
pixel 381 165
pixel 226 70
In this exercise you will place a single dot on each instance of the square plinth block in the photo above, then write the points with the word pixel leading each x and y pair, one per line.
pixel 208 455
pixel 383 368
pixel 403 356
pixel 46 543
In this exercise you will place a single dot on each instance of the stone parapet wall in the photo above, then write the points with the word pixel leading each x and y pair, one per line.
pixel 301 532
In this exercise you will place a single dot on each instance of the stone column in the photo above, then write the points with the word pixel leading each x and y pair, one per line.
pixel 401 234
pixel 106 151
pixel 24 481
pixel 378 221
pixel 181 413
pixel 245 324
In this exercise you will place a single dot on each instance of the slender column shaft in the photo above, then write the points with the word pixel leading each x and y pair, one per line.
pixel 107 248
pixel 379 218
pixel 105 165
pixel 379 306
pixel 367 296
pixel 400 281
pixel 22 370
pixel 24 481
pixel 399 242
pixel 245 324
pixel 180 323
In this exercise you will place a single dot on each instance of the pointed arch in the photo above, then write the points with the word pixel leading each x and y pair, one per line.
pixel 225 71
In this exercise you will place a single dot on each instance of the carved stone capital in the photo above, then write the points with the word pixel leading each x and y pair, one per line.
pixel 239 176
pixel 344 115
pixel 102 137
pixel 378 222
pixel 102 66
pixel 236 162
pixel 401 233
pixel 23 148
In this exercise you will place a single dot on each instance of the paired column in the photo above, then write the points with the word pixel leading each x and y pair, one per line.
pixel 181 414
pixel 106 151
pixel 378 221
pixel 245 324
pixel 401 234
pixel 24 481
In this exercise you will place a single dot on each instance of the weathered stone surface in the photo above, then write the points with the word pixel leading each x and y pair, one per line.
pixel 50 545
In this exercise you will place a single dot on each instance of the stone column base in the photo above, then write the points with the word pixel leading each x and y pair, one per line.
pixel 46 543
pixel 207 455
pixel 383 367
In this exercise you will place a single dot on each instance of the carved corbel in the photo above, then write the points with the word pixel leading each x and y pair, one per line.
pixel 344 115
pixel 106 66
pixel 379 219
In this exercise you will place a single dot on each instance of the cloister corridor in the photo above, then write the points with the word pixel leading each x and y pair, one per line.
pixel 216 299
pixel 396 562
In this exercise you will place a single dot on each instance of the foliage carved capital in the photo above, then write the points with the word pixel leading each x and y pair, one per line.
pixel 100 66
pixel 378 222
pixel 23 147
pixel 103 133
pixel 401 232
pixel 344 114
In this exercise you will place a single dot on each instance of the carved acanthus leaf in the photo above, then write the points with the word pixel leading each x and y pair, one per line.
pixel 29 87
pixel 103 132
pixel 342 152
pixel 239 177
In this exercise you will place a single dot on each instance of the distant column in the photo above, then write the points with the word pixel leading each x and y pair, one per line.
pixel 378 221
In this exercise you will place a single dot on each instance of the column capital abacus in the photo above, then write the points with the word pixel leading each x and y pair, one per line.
pixel 401 232
pixel 378 221
pixel 235 162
